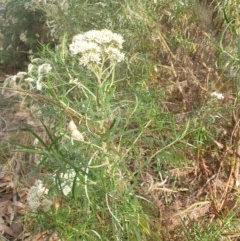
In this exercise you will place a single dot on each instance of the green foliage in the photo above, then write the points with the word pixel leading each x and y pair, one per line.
pixel 214 231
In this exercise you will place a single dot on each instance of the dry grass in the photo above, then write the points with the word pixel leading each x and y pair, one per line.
pixel 208 189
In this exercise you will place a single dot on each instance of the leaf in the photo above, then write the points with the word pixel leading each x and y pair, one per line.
pixel 72 126
pixel 3 184
pixel 17 226
pixel 4 229
pixel 75 133
pixel 4 207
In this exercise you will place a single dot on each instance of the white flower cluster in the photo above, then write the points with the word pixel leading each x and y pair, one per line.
pixel 23 37
pixel 13 82
pixel 66 181
pixel 37 73
pixel 37 197
pixel 217 95
pixel 97 46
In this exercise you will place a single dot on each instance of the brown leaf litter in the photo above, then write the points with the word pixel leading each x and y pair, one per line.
pixel 10 209
pixel 15 179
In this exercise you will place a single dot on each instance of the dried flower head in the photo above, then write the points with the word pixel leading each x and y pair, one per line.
pixel 37 197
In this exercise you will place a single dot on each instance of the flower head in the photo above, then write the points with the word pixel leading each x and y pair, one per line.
pixel 23 37
pixel 217 95
pixel 79 45
pixel 66 181
pixel 37 197
pixel 44 68
pixel 114 54
pixel 90 58
pixel 96 47
pixel 104 36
